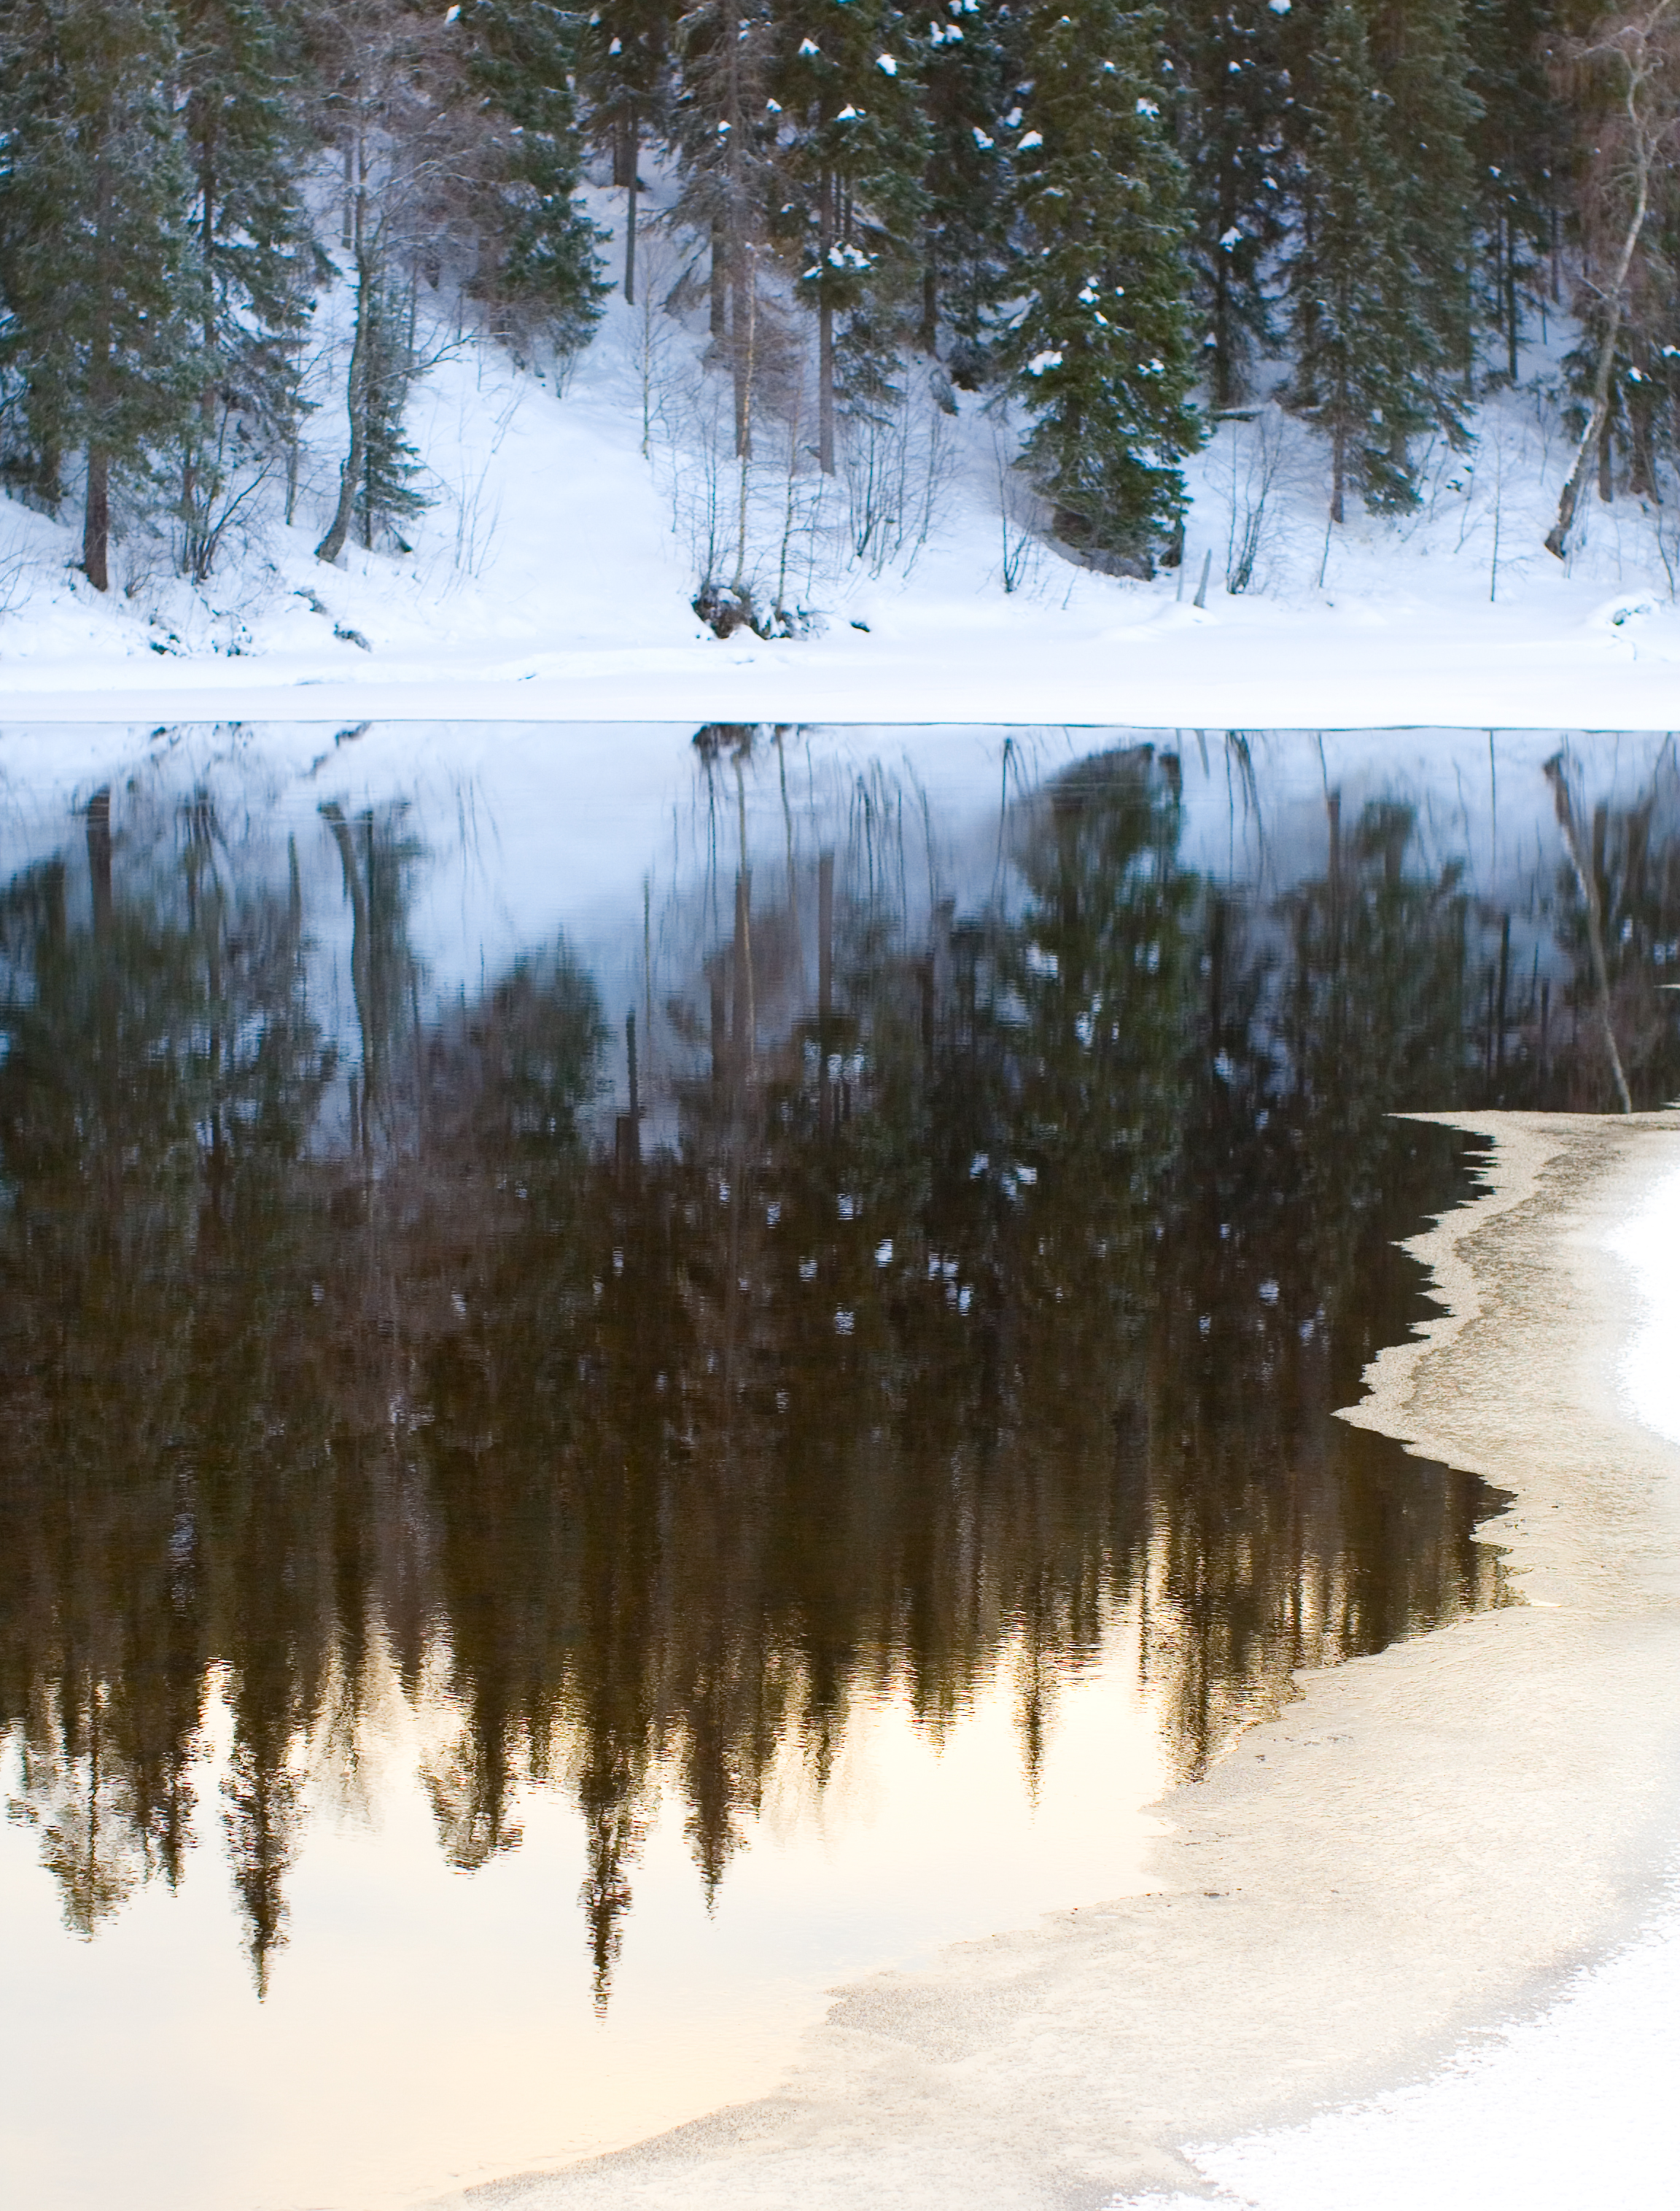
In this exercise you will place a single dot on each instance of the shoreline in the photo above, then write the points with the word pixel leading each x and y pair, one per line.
pixel 1427 1841
pixel 1310 674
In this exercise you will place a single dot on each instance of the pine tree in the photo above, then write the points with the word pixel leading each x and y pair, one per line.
pixel 1417 50
pixel 254 262
pixel 625 78
pixel 968 64
pixel 534 265
pixel 1233 97
pixel 1366 348
pixel 1102 354
pixel 850 160
pixel 93 240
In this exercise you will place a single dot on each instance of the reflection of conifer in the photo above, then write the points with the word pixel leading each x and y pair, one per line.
pixel 651 1512
pixel 470 1792
pixel 615 1837
pixel 261 1821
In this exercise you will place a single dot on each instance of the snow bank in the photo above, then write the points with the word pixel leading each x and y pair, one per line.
pixel 553 577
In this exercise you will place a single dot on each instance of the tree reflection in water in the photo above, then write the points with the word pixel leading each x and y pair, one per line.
pixel 1007 1266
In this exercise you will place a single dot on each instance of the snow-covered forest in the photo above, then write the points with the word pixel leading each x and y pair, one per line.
pixel 855 264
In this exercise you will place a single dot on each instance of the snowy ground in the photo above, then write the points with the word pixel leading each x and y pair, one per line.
pixel 552 577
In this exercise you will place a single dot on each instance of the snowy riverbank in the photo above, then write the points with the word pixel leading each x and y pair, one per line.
pixel 552 577
pixel 1576 658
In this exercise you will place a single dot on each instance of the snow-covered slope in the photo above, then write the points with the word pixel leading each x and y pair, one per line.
pixel 554 573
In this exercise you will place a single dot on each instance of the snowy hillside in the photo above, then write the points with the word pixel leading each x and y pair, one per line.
pixel 555 569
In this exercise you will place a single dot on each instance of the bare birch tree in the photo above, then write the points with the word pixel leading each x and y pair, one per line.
pixel 1639 57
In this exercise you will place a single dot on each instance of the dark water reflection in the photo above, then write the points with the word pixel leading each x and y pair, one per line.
pixel 954 1276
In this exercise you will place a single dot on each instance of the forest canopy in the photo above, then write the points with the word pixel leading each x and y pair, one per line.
pixel 1119 225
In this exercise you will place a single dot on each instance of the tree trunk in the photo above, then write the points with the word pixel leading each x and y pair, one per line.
pixel 355 890
pixel 741 342
pixel 746 366
pixel 196 496
pixel 96 511
pixel 825 939
pixel 632 131
pixel 96 519
pixel 1338 469
pixel 1598 416
pixel 1223 380
pixel 1600 413
pixel 825 329
pixel 719 280
pixel 99 859
pixel 1641 467
pixel 349 476
pixel 1586 884
pixel 825 388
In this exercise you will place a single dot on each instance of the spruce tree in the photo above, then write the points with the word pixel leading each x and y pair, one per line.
pixel 386 76
pixel 1517 153
pixel 253 261
pixel 1366 345
pixel 93 244
pixel 1102 354
pixel 725 124
pixel 624 76
pixel 388 495
pixel 968 63
pixel 851 158
pixel 1232 100
pixel 535 266
pixel 1430 112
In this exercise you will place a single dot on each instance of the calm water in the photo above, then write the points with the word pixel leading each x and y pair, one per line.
pixel 641 1369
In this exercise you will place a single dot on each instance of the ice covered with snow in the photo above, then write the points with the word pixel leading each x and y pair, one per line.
pixel 1570 2107
pixel 1569 2110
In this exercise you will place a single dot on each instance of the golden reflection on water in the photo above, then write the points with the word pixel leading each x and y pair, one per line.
pixel 428 2028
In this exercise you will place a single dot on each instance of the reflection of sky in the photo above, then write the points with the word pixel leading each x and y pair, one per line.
pixel 533 828
pixel 139 2069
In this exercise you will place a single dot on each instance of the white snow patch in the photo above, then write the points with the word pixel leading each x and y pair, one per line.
pixel 1562 2111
